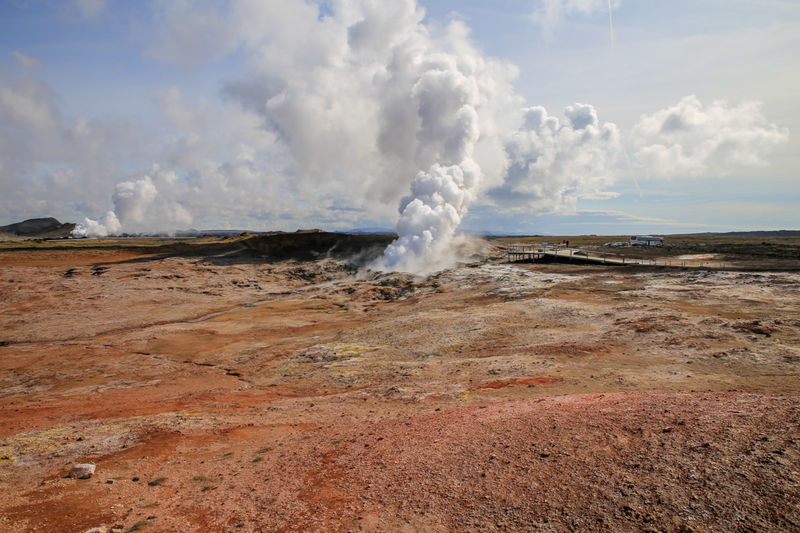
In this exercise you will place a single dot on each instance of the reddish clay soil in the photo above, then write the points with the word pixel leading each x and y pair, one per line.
pixel 520 381
pixel 229 392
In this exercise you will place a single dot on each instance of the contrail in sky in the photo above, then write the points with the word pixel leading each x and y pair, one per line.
pixel 610 23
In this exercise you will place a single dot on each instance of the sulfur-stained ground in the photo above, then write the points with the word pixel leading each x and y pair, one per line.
pixel 228 393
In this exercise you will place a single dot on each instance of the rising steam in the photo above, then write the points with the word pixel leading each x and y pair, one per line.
pixel 106 225
pixel 447 100
pixel 137 204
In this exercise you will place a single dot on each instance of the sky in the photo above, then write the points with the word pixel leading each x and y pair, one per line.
pixel 433 117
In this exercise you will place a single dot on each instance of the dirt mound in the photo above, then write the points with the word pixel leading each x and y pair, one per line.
pixel 614 462
pixel 306 246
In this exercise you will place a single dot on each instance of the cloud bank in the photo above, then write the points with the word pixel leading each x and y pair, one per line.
pixel 690 139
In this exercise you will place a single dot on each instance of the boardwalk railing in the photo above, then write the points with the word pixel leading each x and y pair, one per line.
pixel 528 252
pixel 521 252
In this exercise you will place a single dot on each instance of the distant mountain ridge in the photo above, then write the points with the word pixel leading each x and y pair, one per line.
pixel 765 233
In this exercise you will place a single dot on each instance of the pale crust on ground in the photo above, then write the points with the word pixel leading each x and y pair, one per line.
pixel 307 396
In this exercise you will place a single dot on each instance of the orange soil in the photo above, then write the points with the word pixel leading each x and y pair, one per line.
pixel 484 398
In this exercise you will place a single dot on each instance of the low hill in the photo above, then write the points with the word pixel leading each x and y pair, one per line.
pixel 38 227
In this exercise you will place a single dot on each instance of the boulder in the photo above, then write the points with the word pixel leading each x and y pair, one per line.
pixel 82 471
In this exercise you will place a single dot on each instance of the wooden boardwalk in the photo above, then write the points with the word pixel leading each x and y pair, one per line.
pixel 526 254
pixel 519 253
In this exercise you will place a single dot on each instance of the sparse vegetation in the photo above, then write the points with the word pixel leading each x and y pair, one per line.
pixel 157 481
pixel 135 527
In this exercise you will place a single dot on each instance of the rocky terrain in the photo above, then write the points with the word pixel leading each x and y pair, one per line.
pixel 219 388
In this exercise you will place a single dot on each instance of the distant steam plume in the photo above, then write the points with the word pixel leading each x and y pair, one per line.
pixel 137 206
pixel 106 225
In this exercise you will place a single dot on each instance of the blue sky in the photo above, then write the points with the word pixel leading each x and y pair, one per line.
pixel 170 99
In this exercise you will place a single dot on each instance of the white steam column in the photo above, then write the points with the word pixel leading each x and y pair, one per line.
pixel 447 99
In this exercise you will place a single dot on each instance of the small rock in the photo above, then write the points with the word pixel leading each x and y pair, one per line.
pixel 82 471
pixel 98 529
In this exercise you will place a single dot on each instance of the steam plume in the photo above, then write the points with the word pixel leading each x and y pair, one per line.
pixel 107 225
pixel 137 206
pixel 447 99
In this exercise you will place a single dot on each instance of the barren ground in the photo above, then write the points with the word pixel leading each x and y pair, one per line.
pixel 232 393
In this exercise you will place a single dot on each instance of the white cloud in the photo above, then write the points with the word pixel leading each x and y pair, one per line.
pixel 553 163
pixel 26 61
pixel 192 32
pixel 51 163
pixel 28 105
pixel 689 139
pixel 89 9
pixel 549 15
